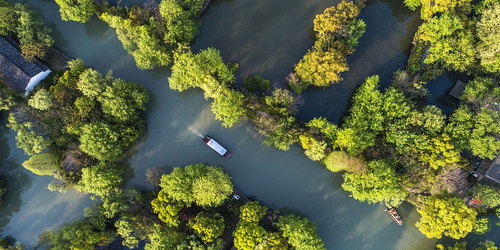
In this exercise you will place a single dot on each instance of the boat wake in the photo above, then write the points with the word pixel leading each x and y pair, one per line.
pixel 196 132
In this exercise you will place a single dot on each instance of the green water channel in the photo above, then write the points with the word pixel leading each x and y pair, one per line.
pixel 266 38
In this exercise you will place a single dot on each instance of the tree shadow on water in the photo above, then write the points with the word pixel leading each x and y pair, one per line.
pixel 16 182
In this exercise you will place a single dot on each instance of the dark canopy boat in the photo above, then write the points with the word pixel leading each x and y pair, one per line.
pixel 216 146
pixel 395 216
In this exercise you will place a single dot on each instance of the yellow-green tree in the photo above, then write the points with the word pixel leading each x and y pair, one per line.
pixel 300 232
pixel 379 184
pixel 431 7
pixel 43 164
pixel 489 34
pixel 448 215
pixel 208 227
pixel 321 68
pixel 76 10
pixel 437 152
pixel 252 211
pixel 167 208
pixel 247 235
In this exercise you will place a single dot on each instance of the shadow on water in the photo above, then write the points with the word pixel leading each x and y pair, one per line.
pixel 96 28
pixel 439 90
pixel 15 182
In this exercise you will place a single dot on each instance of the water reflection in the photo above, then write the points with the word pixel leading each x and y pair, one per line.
pixel 15 182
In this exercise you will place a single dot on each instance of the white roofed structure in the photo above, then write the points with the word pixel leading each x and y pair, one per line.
pixel 217 147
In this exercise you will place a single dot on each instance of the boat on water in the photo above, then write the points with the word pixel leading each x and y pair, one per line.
pixel 394 214
pixel 216 147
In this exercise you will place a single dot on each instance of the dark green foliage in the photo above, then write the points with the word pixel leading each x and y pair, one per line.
pixel 28 138
pixel 22 24
pixel 228 108
pixel 414 62
pixel 102 180
pixel 124 100
pixel 322 127
pixel 87 233
pixel 152 33
pixel 199 183
pixel 90 118
pixel 100 141
pixel 255 83
pixel 481 92
pixel 208 71
pixel 8 98
pixel 164 238
pixel 300 232
pixel 2 190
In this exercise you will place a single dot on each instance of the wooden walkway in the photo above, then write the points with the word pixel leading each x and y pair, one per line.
pixel 243 197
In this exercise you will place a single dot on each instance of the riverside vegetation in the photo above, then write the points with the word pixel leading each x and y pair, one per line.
pixel 390 145
pixel 77 126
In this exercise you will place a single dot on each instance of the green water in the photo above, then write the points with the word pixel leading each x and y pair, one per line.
pixel 266 38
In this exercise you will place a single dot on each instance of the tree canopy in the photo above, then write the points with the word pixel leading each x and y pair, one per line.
pixel 43 164
pixel 379 184
pixel 300 232
pixel 448 215
pixel 20 22
pixel 79 10
pixel 101 180
pixel 100 141
pixel 199 183
pixel 208 227
pixel 489 36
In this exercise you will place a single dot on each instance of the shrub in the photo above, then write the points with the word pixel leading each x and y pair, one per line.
pixel 341 161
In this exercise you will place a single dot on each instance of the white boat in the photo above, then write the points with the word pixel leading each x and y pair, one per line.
pixel 216 146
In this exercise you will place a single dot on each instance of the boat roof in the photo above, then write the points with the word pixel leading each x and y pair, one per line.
pixel 217 147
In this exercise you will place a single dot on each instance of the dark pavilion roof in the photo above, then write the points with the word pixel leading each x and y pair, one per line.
pixel 458 89
pixel 494 171
pixel 15 71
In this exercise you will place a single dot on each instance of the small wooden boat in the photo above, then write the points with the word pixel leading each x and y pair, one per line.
pixel 216 147
pixel 394 214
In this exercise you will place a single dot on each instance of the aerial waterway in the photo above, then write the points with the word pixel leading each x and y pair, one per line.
pixel 264 37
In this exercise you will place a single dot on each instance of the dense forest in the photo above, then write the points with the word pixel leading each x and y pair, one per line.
pixel 390 146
